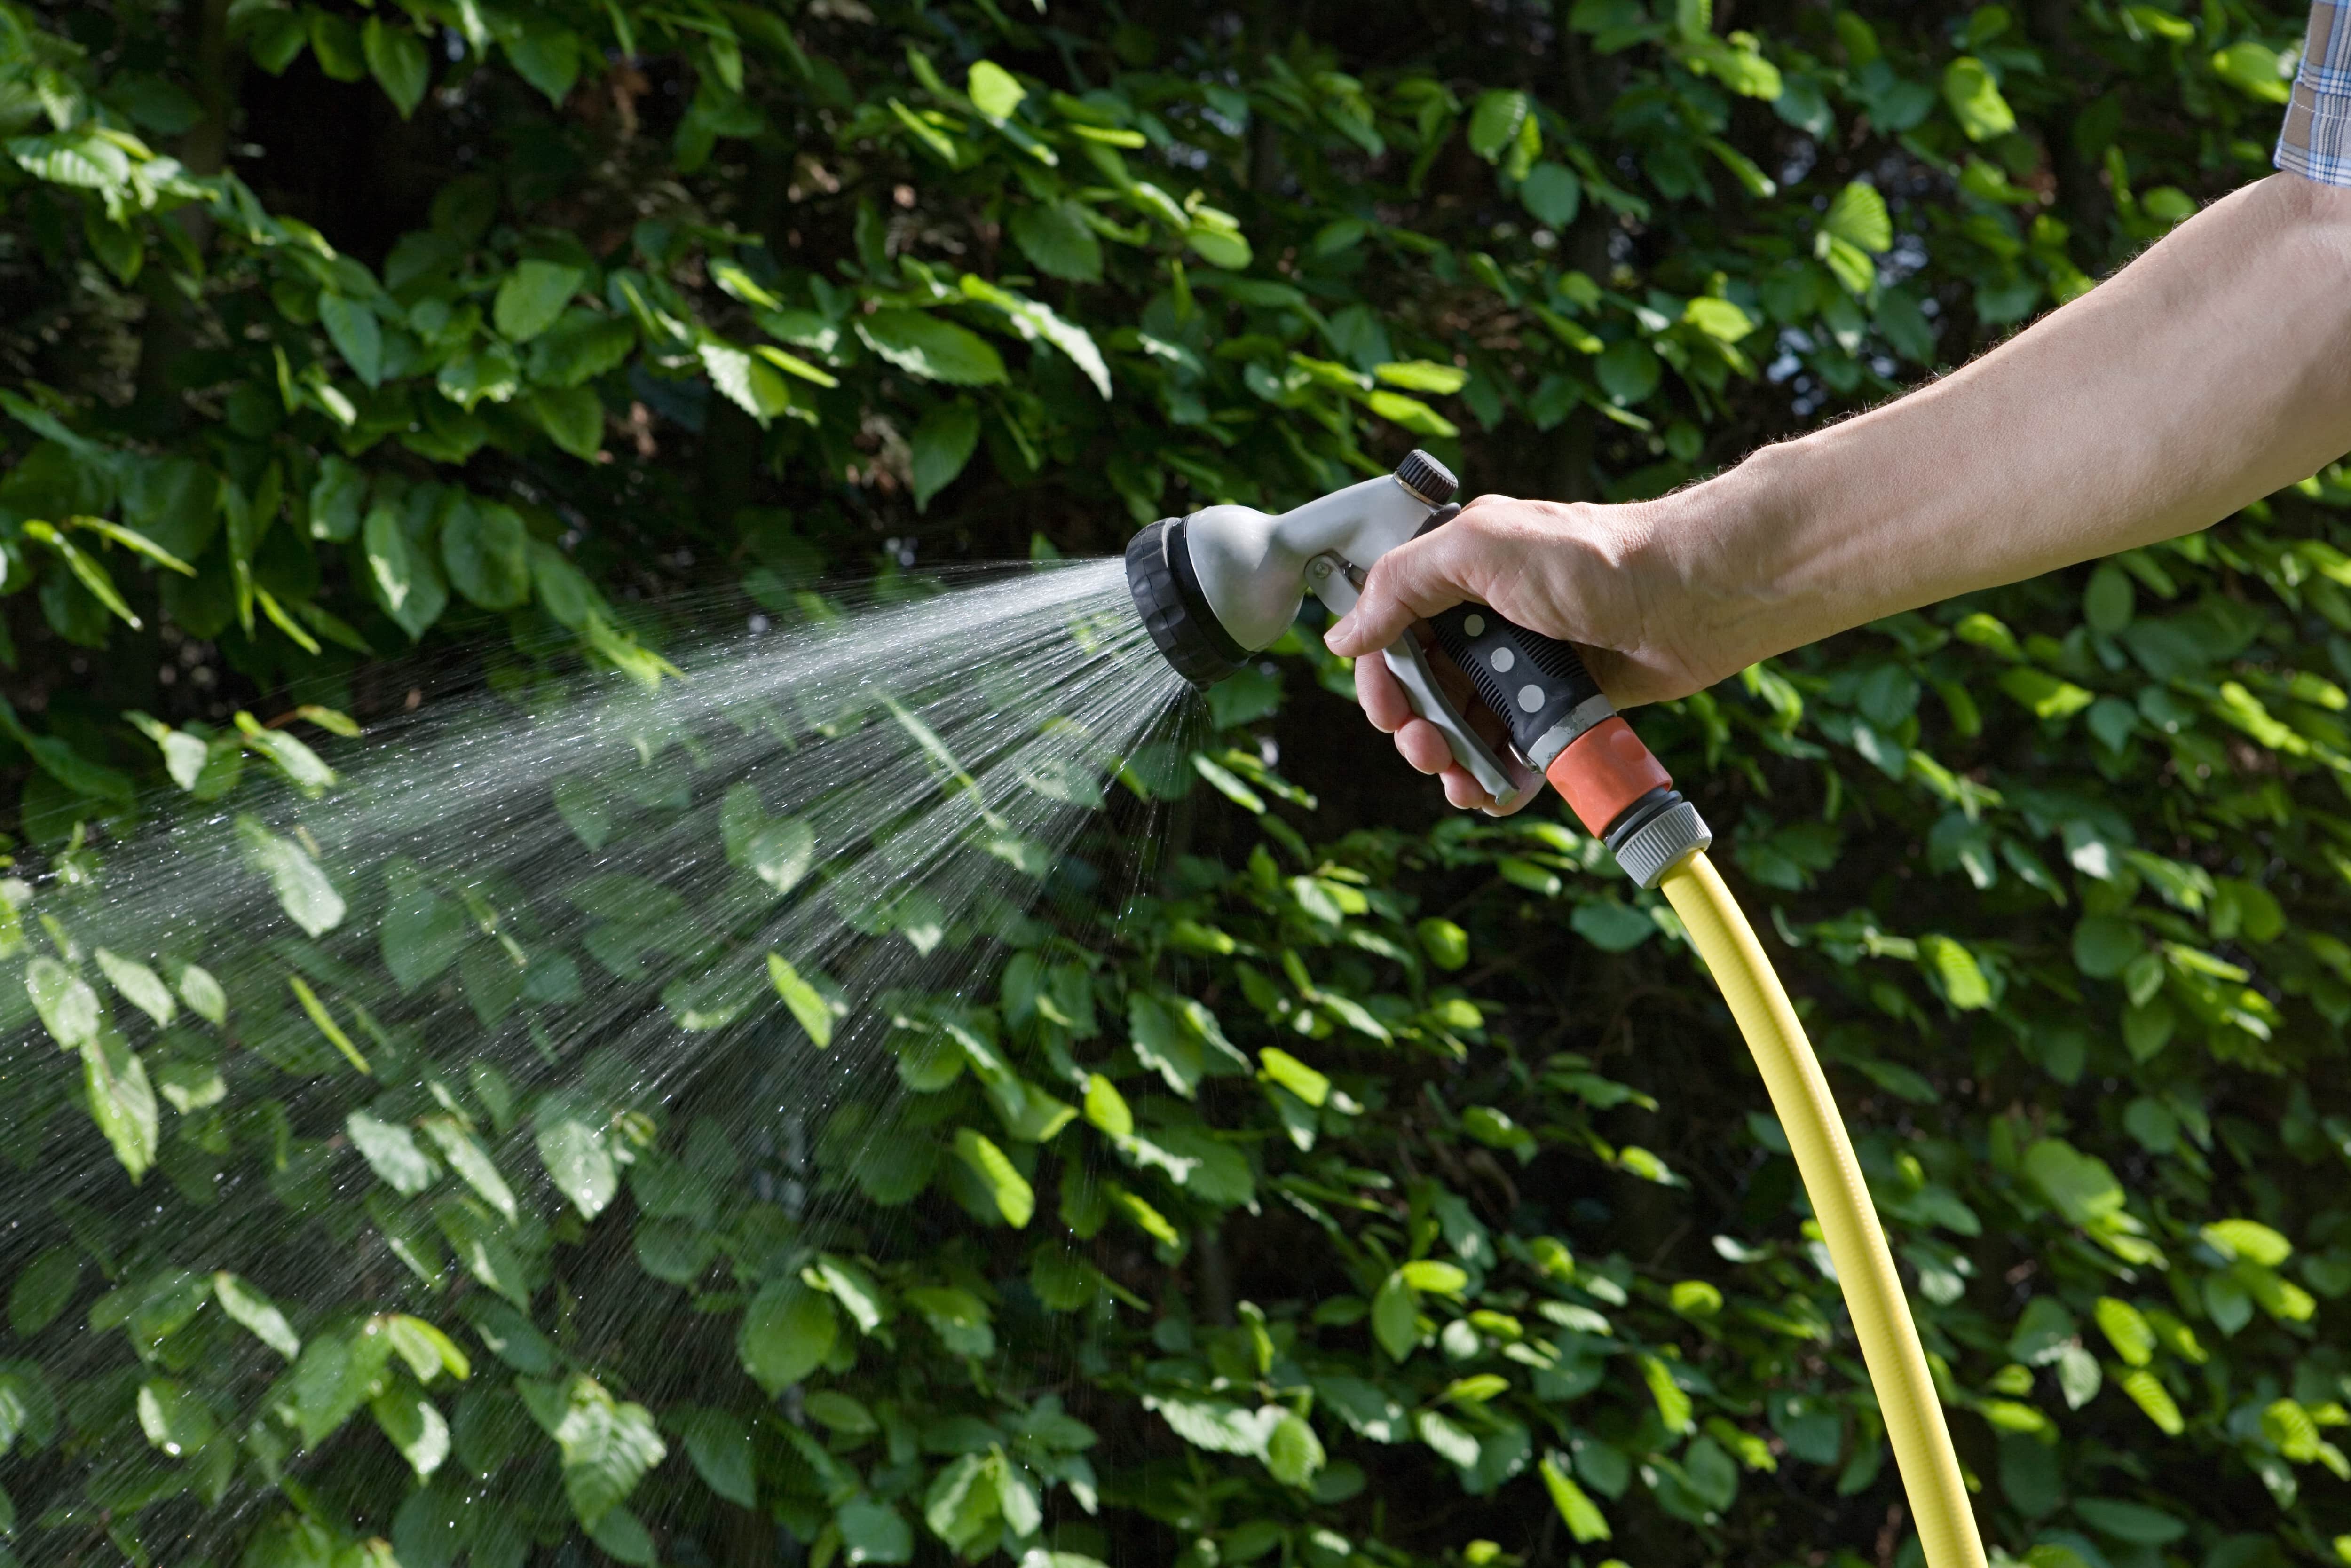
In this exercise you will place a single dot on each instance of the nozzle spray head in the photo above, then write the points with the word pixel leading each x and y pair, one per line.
pixel 1214 587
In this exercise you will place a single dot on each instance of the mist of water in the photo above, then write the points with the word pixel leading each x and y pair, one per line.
pixel 819 836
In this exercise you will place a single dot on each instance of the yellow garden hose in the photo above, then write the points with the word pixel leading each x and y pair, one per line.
pixel 1832 1180
pixel 1187 574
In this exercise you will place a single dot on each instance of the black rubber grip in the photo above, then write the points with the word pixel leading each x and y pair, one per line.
pixel 1531 681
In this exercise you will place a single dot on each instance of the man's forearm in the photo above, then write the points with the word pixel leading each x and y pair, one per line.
pixel 2213 370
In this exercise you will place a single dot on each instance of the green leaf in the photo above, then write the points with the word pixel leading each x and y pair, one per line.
pixel 994 92
pixel 1280 1067
pixel 814 1012
pixel 1581 1516
pixel 1437 1278
pixel 943 443
pixel 2105 944
pixel 958 1318
pixel 932 347
pixel 1452 1441
pixel 1858 216
pixel 580 347
pixel 1292 1452
pixel 2148 1392
pixel 422 931
pixel 1106 1108
pixel 405 580
pixel 303 891
pixel 1975 99
pixel 607 1445
pixel 719 1445
pixel 203 994
pixel 176 1420
pixel 1721 319
pixel 571 1145
pixel 68 1008
pixel 471 1161
pixel 2048 696
pixel 2080 1187
pixel 1396 1317
pixel 256 1313
pixel 428 1352
pixel 1447 944
pixel 1628 371
pixel 1964 985
pixel 1495 121
pixel 356 335
pixel 483 544
pixel 1552 193
pixel 121 1100
pixel 875 1532
pixel 747 381
pixel 2127 1329
pixel 2109 600
pixel 1671 1402
pixel 335 42
pixel 1215 1424
pixel 2135 1523
pixel 546 56
pixel 573 418
pixel 74 158
pixel 1611 926
pixel 396 56
pixel 415 1425
pixel 1056 237
pixel 785 1333
pixel 41 1291
pixel 2252 66
pixel 854 1289
pixel 2248 1239
pixel 1421 376
pixel 1016 1200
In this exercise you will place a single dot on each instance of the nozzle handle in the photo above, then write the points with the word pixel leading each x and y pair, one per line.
pixel 1537 684
pixel 1327 577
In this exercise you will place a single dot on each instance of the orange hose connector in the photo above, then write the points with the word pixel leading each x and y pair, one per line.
pixel 1602 771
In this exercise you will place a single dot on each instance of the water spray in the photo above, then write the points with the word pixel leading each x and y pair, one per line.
pixel 1225 581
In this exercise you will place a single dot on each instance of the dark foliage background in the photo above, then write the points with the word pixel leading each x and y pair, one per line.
pixel 1422 1208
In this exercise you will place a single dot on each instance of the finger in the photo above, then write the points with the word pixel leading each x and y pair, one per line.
pixel 1462 791
pixel 1411 582
pixel 1527 785
pixel 1380 695
pixel 1424 746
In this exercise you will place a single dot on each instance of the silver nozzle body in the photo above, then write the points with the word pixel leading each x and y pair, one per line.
pixel 1251 566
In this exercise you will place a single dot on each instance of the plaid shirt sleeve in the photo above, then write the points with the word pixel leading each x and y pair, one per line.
pixel 2316 141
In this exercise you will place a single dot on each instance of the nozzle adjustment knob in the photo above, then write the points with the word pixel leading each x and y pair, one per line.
pixel 1427 478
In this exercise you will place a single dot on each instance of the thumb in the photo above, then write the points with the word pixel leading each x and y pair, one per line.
pixel 1411 582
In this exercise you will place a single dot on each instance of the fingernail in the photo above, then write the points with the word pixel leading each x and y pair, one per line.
pixel 1341 628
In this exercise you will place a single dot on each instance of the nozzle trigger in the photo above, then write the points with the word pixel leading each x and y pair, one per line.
pixel 1336 584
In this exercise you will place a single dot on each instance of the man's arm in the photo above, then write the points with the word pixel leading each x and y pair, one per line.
pixel 2213 370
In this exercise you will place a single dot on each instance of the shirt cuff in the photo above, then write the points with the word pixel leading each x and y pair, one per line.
pixel 2317 140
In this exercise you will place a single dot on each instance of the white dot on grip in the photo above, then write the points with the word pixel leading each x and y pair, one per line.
pixel 1531 697
pixel 1503 660
pixel 1475 625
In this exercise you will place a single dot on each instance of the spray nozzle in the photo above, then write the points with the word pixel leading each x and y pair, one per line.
pixel 1216 586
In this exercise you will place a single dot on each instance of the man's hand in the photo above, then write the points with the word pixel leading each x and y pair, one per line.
pixel 1575 572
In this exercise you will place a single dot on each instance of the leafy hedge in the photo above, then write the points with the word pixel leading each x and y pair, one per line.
pixel 1361 1190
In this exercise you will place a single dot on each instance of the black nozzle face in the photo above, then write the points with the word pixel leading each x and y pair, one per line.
pixel 1168 598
